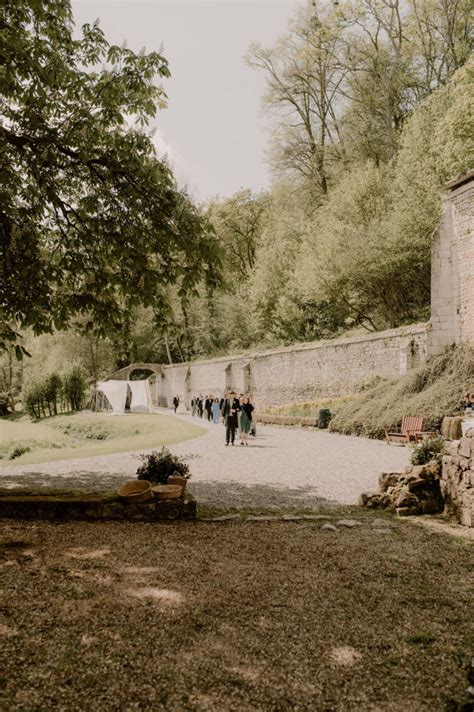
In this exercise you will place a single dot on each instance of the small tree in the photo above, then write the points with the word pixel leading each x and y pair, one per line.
pixel 52 388
pixel 74 387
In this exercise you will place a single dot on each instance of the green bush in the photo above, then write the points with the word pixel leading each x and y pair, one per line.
pixel 74 386
pixel 159 465
pixel 55 394
pixel 427 450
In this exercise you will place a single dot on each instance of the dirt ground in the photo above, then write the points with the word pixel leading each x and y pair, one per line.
pixel 234 616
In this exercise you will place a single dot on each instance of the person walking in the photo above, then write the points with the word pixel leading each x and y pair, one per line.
pixel 230 413
pixel 193 406
pixel 208 407
pixel 246 410
pixel 175 403
pixel 200 406
pixel 215 410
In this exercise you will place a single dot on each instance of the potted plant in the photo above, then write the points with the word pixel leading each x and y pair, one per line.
pixel 163 468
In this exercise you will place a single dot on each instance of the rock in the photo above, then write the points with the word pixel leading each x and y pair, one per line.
pixel 374 501
pixel 223 518
pixel 380 523
pixel 365 497
pixel 291 518
pixel 413 485
pixel 389 479
pixel 406 511
pixel 469 433
pixel 431 506
pixel 261 518
pixel 313 517
pixel 465 445
pixel 406 499
pixel 382 530
pixel 328 528
pixel 349 523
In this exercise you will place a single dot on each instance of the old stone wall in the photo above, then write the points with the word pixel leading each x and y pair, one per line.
pixel 452 269
pixel 303 372
pixel 457 479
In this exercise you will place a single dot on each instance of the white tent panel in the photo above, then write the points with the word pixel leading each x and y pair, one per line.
pixel 116 394
pixel 141 397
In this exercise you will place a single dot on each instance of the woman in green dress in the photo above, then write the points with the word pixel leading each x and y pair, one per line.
pixel 246 409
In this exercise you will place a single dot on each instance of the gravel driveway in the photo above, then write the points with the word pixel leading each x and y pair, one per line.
pixel 280 467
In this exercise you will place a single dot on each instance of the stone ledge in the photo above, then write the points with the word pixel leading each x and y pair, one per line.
pixel 97 507
pixel 274 419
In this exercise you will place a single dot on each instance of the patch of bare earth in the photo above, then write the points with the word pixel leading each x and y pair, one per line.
pixel 233 616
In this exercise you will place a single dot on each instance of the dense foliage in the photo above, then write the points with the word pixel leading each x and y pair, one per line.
pixel 56 394
pixel 373 111
pixel 427 450
pixel 159 465
pixel 91 222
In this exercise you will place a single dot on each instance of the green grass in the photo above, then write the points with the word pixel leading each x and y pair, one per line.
pixel 308 409
pixel 84 435
pixel 434 390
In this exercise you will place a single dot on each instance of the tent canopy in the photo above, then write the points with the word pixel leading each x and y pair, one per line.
pixel 116 393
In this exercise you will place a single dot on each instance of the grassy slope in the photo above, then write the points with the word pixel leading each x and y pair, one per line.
pixel 433 390
pixel 86 435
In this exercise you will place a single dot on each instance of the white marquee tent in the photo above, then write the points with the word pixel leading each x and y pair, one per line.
pixel 117 392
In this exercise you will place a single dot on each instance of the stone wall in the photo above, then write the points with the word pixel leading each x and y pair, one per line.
pixel 457 479
pixel 452 269
pixel 300 373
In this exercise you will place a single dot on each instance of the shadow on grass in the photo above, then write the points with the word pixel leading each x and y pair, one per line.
pixel 212 494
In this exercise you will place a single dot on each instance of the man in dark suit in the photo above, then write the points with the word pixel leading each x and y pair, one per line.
pixel 230 413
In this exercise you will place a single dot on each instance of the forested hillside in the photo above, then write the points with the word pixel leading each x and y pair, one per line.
pixel 371 111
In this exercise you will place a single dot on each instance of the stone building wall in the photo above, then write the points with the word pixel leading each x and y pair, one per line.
pixel 452 269
pixel 457 483
pixel 303 372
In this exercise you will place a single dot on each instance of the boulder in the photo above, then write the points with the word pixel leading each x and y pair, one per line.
pixel 405 500
pixel 465 446
pixel 389 479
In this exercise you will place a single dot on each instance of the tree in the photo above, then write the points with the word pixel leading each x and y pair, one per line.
pixel 304 76
pixel 91 222
pixel 238 223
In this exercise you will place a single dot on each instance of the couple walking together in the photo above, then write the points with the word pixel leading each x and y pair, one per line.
pixel 233 411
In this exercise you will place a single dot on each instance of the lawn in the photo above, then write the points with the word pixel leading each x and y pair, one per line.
pixel 234 616
pixel 87 434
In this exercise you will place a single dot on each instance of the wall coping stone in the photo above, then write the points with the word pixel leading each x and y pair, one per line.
pixel 410 330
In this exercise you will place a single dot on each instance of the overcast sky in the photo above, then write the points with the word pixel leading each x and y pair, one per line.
pixel 213 130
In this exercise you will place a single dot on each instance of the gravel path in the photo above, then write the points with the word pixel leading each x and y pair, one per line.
pixel 280 467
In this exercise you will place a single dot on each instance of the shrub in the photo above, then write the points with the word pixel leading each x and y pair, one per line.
pixel 433 390
pixel 74 387
pixel 18 451
pixel 427 450
pixel 158 466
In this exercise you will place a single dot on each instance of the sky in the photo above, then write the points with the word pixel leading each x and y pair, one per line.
pixel 213 131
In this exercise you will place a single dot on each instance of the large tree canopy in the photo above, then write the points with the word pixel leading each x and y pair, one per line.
pixel 91 222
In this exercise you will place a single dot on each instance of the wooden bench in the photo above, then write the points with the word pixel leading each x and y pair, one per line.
pixel 411 430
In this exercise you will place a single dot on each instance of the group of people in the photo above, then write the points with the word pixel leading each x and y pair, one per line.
pixel 235 412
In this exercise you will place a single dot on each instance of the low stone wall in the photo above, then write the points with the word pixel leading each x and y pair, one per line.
pixel 271 419
pixel 457 479
pixel 66 507
pixel 305 372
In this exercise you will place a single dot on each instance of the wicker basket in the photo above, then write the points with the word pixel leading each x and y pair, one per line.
pixel 135 491
pixel 179 481
pixel 167 491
